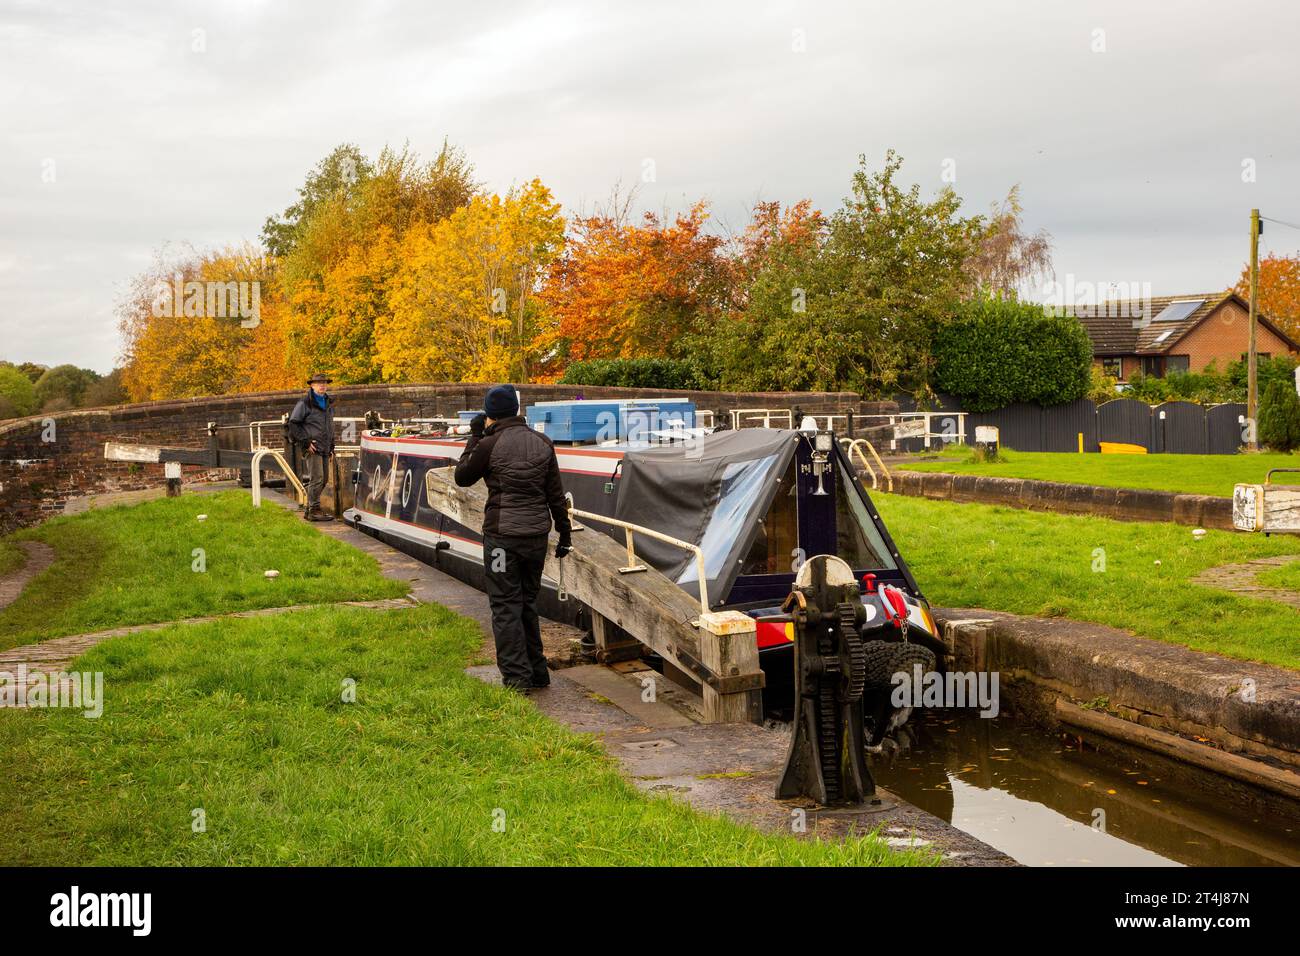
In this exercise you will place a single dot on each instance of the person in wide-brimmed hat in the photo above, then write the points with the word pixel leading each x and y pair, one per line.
pixel 311 427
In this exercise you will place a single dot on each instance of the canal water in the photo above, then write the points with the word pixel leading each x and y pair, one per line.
pixel 1055 800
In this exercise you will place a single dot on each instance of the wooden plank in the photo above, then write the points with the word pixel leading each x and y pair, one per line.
pixel 646 605
pixel 612 645
pixel 119 451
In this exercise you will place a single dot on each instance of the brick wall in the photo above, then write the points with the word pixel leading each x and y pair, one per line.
pixel 46 461
pixel 1224 337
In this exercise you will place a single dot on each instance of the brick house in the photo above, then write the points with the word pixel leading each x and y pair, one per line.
pixel 1176 333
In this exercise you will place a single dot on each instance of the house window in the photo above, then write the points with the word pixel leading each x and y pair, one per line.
pixel 1176 363
pixel 1245 356
pixel 1113 366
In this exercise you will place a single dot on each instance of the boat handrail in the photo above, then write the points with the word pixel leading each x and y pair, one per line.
pixel 634 565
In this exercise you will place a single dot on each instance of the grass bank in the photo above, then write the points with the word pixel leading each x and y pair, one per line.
pixel 1286 578
pixel 1188 474
pixel 1135 576
pixel 12 557
pixel 243 725
pixel 141 564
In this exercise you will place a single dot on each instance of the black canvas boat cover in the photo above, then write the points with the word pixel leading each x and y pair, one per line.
pixel 711 492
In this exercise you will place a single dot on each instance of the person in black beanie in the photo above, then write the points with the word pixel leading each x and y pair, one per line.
pixel 525 496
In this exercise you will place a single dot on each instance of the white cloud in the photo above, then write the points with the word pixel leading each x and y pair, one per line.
pixel 1131 157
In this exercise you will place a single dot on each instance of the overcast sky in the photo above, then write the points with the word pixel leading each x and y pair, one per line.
pixel 127 126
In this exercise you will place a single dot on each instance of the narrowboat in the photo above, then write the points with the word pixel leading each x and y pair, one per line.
pixel 758 502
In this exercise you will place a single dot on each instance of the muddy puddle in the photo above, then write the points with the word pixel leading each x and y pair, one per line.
pixel 1056 801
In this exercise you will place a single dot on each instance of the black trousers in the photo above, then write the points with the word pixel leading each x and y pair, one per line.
pixel 514 578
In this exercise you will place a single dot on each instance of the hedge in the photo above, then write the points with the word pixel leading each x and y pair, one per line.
pixel 997 352
pixel 634 373
pixel 1279 417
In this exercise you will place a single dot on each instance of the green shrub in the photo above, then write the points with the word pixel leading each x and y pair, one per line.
pixel 634 373
pixel 1000 351
pixel 1205 388
pixel 63 386
pixel 1277 368
pixel 17 391
pixel 1279 417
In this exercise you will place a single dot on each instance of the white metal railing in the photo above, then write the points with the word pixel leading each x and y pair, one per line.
pixel 739 416
pixel 256 442
pixel 284 467
pixel 634 565
pixel 907 425
pixel 854 446
pixel 829 420
pixel 700 415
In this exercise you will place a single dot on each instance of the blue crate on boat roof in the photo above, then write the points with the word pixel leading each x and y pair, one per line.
pixel 627 419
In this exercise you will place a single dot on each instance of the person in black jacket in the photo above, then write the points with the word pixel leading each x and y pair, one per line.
pixel 311 426
pixel 525 496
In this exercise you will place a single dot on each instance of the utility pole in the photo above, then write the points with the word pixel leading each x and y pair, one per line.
pixel 1252 385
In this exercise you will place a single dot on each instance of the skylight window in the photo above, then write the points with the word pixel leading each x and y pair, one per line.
pixel 1177 311
pixel 1164 335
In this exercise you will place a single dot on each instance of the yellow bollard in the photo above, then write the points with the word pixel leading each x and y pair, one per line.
pixel 1080 443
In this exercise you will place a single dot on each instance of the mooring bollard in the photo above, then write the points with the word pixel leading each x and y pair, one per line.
pixel 172 470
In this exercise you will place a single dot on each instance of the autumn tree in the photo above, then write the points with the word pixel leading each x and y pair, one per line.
pixel 1006 257
pixel 337 270
pixel 763 344
pixel 106 391
pixel 633 290
pixel 1279 290
pixel 463 304
pixel 182 336
pixel 854 303
pixel 341 172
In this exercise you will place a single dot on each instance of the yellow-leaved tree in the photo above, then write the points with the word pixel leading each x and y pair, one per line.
pixel 463 305
pixel 341 246
pixel 186 320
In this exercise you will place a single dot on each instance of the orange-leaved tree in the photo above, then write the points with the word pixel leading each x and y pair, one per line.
pixel 1279 290
pixel 625 290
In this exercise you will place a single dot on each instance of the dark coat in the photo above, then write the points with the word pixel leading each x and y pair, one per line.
pixel 308 422
pixel 522 474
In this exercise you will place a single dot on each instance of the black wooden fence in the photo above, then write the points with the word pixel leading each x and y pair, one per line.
pixel 1174 427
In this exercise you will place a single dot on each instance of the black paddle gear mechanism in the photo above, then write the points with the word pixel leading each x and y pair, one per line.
pixel 827 760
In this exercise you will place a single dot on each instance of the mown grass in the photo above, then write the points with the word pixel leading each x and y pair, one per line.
pixel 245 720
pixel 12 557
pixel 135 564
pixel 1188 474
pixel 1008 559
pixel 1286 578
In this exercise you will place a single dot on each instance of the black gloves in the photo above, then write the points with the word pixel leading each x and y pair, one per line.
pixel 565 544
pixel 477 424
